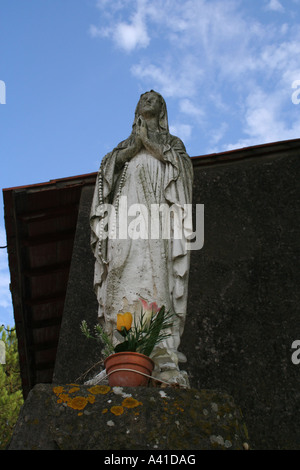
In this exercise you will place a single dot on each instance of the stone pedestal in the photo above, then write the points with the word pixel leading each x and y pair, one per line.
pixel 79 417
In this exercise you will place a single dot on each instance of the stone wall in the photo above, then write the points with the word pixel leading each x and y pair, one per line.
pixel 243 311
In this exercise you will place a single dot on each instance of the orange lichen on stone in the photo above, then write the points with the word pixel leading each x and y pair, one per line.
pixel 117 410
pixel 99 389
pixel 78 403
pixel 64 398
pixel 131 402
pixel 58 390
pixel 105 410
pixel 74 389
pixel 178 406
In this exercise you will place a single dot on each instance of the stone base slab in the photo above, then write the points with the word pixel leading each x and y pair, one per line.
pixel 80 417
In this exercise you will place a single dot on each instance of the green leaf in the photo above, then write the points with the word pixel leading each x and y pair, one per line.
pixel 124 332
pixel 154 334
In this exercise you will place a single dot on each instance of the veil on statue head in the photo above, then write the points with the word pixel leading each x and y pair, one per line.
pixel 163 117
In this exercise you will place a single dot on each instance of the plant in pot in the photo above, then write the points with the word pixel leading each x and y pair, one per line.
pixel 129 363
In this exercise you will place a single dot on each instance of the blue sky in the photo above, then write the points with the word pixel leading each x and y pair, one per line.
pixel 74 70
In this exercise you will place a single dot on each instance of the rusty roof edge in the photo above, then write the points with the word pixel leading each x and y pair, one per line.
pixel 77 180
pixel 260 150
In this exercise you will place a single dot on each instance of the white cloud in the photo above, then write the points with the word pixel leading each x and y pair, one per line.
pixel 283 56
pixel 183 131
pixel 179 81
pixel 205 42
pixel 186 106
pixel 264 120
pixel 96 32
pixel 132 35
pixel 218 133
pixel 219 63
pixel 274 5
pixel 127 35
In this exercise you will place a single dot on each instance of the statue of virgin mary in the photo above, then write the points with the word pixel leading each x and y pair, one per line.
pixel 145 179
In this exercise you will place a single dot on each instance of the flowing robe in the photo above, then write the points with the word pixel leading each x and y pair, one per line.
pixel 144 264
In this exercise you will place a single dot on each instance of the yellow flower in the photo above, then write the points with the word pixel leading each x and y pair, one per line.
pixel 124 320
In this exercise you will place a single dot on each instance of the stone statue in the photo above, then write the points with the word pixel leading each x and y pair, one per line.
pixel 147 178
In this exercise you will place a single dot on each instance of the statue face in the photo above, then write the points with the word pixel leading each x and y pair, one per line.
pixel 149 104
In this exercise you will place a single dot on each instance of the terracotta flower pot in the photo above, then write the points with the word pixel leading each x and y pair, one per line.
pixel 136 362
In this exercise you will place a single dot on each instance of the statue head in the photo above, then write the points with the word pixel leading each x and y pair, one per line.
pixel 149 103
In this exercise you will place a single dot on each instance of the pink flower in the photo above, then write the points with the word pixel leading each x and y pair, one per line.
pixel 150 310
pixel 153 307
